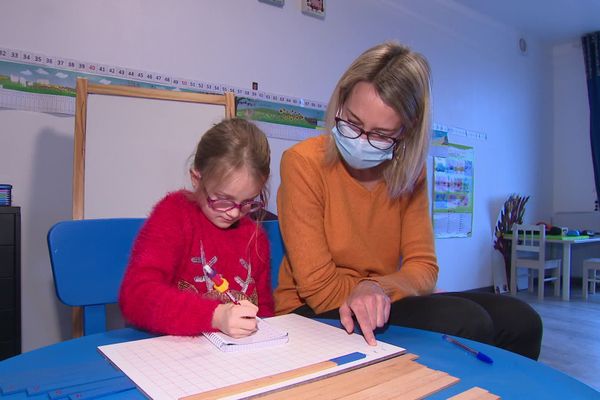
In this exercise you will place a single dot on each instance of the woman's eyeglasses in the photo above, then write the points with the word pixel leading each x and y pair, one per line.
pixel 375 139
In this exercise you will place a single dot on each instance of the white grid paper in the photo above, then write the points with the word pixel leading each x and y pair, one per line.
pixel 170 367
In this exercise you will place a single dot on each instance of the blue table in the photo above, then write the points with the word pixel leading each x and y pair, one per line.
pixel 511 376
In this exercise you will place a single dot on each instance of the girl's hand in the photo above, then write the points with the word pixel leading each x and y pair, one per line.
pixel 235 320
pixel 371 307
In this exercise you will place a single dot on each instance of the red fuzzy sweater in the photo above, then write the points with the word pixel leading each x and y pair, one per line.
pixel 165 289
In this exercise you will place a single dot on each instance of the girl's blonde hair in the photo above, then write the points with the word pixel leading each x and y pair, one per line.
pixel 232 144
pixel 401 78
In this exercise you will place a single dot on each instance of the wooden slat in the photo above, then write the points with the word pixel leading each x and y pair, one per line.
pixel 475 393
pixel 158 94
pixel 79 147
pixel 344 385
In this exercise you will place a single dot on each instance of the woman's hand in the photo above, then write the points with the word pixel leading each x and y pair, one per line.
pixel 371 307
pixel 235 320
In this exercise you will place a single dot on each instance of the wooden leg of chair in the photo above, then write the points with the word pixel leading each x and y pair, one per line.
pixel 513 279
pixel 541 276
pixel 530 280
pixel 557 282
pixel 77 321
pixel 585 283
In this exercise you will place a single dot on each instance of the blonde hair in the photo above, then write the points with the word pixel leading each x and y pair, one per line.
pixel 230 145
pixel 401 78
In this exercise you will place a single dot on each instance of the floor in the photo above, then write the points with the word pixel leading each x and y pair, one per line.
pixel 571 341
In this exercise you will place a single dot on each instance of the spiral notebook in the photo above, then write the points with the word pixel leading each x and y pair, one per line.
pixel 266 335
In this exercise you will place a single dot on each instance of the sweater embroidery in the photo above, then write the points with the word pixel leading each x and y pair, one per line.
pixel 202 261
pixel 244 283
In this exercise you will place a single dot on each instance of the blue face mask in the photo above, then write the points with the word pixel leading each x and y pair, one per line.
pixel 358 153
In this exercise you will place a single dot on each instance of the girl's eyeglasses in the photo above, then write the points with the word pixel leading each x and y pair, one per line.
pixel 246 206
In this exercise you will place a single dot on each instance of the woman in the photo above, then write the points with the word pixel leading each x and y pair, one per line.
pixel 354 215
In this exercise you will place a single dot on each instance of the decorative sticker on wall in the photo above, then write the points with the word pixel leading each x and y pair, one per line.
pixel 279 113
pixel 314 8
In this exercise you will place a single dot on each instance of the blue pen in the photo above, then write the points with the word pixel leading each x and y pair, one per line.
pixel 479 355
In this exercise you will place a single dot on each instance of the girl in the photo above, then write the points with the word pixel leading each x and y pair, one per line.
pixel 166 288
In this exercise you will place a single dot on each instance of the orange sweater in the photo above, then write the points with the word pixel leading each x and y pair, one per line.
pixel 337 233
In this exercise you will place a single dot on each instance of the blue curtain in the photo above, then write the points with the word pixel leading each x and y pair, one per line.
pixel 591 54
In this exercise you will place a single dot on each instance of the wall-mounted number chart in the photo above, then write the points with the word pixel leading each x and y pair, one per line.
pixel 36 82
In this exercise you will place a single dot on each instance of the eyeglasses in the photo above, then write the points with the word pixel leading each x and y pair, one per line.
pixel 375 139
pixel 246 206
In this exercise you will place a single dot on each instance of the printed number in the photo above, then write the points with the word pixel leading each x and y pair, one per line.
pixel 2 53
pixel 131 73
pixel 38 59
pixel 26 57
pixel 111 70
pixel 175 81
pixel 121 72
pixel 71 64
pixel 101 69
pixel 60 62
pixel 81 66
pixel 92 67
pixel 14 54
pixel 148 76
pixel 193 84
pixel 167 79
pixel 140 74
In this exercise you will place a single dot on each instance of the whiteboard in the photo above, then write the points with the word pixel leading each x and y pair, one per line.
pixel 135 149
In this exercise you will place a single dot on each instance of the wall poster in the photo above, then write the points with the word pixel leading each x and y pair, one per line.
pixel 452 189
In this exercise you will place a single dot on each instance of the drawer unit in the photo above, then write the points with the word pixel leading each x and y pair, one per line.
pixel 10 281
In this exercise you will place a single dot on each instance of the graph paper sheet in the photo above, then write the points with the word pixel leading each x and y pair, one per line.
pixel 171 367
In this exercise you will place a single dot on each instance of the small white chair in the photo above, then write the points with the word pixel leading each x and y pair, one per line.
pixel 591 267
pixel 528 250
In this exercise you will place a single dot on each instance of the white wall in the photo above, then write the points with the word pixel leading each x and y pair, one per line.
pixel 480 82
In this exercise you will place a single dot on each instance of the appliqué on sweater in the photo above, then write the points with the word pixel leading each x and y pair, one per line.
pixel 239 295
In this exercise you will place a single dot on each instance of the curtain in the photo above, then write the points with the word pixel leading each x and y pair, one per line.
pixel 591 54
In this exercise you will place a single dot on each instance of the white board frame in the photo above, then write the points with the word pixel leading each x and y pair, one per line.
pixel 84 137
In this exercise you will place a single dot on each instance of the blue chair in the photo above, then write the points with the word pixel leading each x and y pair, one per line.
pixel 277 249
pixel 88 260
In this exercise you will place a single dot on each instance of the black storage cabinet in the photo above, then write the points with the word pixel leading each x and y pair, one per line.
pixel 10 281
